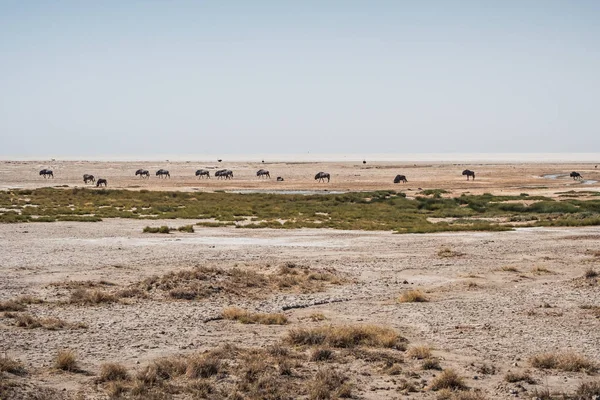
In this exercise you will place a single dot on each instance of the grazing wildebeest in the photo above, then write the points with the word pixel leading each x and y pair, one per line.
pixel 469 173
pixel 364 161
pixel 576 175
pixel 321 176
pixel 224 173
pixel 163 173
pixel 203 172
pixel 400 178
pixel 219 160
pixel 88 178
pixel 101 181
pixel 279 179
pixel 142 173
pixel 263 172
pixel 47 173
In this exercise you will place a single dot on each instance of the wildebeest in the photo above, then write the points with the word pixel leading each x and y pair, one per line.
pixel 47 173
pixel 321 176
pixel 224 173
pixel 279 179
pixel 263 172
pixel 163 173
pixel 142 173
pixel 364 161
pixel 576 175
pixel 400 178
pixel 203 172
pixel 219 160
pixel 88 178
pixel 101 181
pixel 469 173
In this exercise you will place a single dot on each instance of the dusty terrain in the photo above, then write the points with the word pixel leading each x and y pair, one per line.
pixel 497 178
pixel 494 299
pixel 501 320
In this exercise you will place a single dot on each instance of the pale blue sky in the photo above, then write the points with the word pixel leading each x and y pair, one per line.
pixel 210 77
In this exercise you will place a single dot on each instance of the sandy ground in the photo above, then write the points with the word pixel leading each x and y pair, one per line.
pixel 500 321
pixel 505 178
pixel 478 313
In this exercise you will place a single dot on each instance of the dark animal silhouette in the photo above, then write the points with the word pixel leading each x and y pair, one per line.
pixel 88 178
pixel 203 172
pixel 163 173
pixel 321 176
pixel 279 179
pixel 364 161
pixel 219 160
pixel 224 173
pixel 263 172
pixel 469 173
pixel 576 175
pixel 400 178
pixel 142 173
pixel 47 173
pixel 101 182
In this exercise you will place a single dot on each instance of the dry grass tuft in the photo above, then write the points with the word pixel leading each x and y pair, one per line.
pixel 321 354
pixel 509 268
pixel 11 305
pixel 587 390
pixel 540 270
pixel 51 323
pixel 11 366
pixel 66 360
pixel 162 369
pixel 28 299
pixel 328 384
pixel 431 364
pixel 72 285
pixel 204 282
pixel 448 379
pixel 316 317
pixel 523 376
pixel 446 252
pixel 406 387
pixel 203 365
pixel 591 273
pixel 245 317
pixel 113 372
pixel 569 362
pixel 413 296
pixel 91 297
pixel 131 293
pixel 419 352
pixel 347 336
pixel 486 369
pixel 447 394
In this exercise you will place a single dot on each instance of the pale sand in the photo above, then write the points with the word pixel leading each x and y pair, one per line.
pixel 501 321
pixel 496 178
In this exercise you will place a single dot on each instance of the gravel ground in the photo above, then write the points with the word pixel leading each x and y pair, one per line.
pixel 477 313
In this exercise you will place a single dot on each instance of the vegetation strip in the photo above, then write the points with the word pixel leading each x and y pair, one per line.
pixel 381 210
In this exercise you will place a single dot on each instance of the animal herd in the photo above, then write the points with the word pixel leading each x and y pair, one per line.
pixel 228 174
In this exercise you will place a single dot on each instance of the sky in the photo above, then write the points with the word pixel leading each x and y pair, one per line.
pixel 112 77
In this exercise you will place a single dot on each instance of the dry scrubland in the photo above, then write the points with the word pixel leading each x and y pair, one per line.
pixel 105 310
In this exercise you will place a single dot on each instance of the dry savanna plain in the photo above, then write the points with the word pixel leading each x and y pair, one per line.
pixel 250 288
